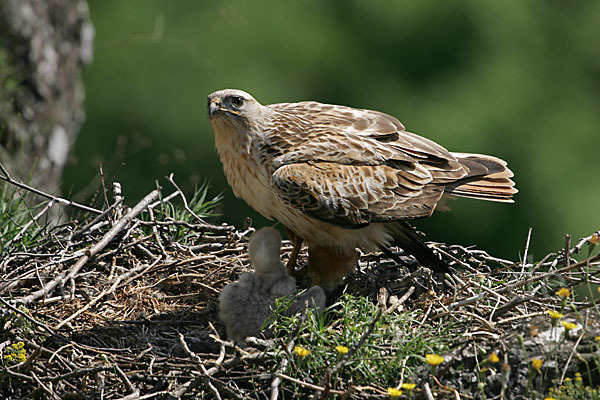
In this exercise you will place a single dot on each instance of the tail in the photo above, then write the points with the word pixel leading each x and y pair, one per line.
pixel 488 178
pixel 411 242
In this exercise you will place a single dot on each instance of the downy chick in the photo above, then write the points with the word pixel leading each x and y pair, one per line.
pixel 245 304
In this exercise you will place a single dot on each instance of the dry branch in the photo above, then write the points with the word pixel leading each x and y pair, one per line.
pixel 7 178
pixel 106 239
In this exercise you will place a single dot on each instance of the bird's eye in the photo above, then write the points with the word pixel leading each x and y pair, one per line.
pixel 237 101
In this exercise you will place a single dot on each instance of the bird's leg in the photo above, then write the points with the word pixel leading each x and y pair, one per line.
pixel 297 243
pixel 328 266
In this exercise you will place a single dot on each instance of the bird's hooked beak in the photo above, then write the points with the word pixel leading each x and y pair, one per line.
pixel 215 106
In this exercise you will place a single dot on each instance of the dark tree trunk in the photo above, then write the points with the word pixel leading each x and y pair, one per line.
pixel 44 45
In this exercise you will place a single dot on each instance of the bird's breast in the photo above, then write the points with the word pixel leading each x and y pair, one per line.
pixel 245 175
pixel 250 181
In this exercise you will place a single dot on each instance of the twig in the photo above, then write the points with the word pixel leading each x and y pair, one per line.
pixel 396 304
pixel 101 295
pixel 428 393
pixel 91 226
pixel 290 345
pixel 59 200
pixel 497 313
pixel 404 360
pixel 358 344
pixel 448 389
pixel 517 284
pixel 203 227
pixel 183 198
pixel 306 384
pixel 577 248
pixel 164 199
pixel 44 387
pixel 198 361
pixel 78 372
pixel 526 251
pixel 28 224
pixel 103 184
pixel 573 351
pixel 156 235
pixel 125 380
pixel 63 278
pixel 222 351
pixel 36 322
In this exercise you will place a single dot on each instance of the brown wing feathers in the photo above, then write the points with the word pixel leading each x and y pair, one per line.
pixel 351 167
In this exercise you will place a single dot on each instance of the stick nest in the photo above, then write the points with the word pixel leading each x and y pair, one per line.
pixel 123 305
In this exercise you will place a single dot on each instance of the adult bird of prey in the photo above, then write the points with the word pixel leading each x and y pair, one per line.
pixel 342 178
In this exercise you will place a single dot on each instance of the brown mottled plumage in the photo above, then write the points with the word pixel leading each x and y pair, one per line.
pixel 342 178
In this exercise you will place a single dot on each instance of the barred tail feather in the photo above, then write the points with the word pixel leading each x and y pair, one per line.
pixel 488 178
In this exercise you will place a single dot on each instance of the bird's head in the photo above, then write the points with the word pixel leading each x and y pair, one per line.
pixel 264 251
pixel 233 107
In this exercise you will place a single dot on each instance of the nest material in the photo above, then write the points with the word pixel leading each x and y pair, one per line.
pixel 113 308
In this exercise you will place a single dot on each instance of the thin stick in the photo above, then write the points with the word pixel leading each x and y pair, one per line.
pixel 31 221
pixel 185 203
pixel 103 185
pixel 34 321
pixel 515 285
pixel 198 361
pixel 290 345
pixel 59 200
pixel 567 250
pixel 360 342
pixel 526 251
pixel 106 239
pixel 44 387
pixel 449 389
pixel 125 380
pixel 156 235
pixel 164 199
pixel 428 393
pixel 562 376
pixel 101 295
pixel 306 384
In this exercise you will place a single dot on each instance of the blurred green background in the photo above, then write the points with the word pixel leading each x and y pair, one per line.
pixel 520 80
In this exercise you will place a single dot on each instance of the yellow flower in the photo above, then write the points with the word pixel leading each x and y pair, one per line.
pixel 597 338
pixel 22 357
pixel 434 359
pixel 301 351
pixel 567 379
pixel 393 392
pixel 549 398
pixel 578 377
pixel 536 363
pixel 568 325
pixel 554 314
pixel 564 292
pixel 408 386
pixel 493 358
pixel 341 349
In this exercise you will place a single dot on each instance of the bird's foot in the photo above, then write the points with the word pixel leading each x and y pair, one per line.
pixel 291 264
pixel 296 272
